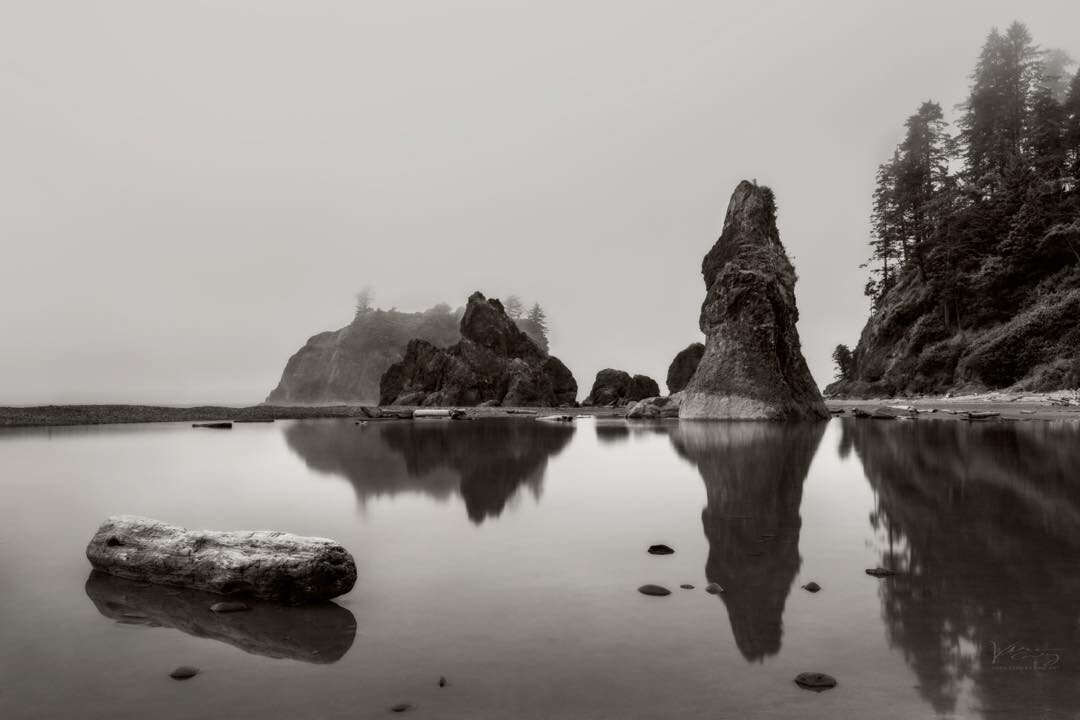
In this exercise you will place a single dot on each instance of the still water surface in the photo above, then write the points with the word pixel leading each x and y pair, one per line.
pixel 505 556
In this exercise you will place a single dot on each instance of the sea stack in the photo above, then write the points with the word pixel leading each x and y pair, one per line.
pixel 753 367
pixel 495 361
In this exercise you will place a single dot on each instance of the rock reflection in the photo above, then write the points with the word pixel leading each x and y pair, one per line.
pixel 318 633
pixel 753 473
pixel 485 461
pixel 984 521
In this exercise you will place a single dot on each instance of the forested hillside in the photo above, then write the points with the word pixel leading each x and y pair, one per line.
pixel 975 227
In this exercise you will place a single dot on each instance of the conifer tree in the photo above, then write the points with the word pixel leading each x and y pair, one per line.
pixel 1071 129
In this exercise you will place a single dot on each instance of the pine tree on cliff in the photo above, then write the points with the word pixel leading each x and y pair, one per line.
pixel 515 308
pixel 1071 129
pixel 886 232
pixel 996 112
pixel 923 173
pixel 1046 138
pixel 538 316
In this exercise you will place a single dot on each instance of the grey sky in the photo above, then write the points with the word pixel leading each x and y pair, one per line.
pixel 188 190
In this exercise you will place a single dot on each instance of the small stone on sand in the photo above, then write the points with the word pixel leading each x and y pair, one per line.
pixel 184 672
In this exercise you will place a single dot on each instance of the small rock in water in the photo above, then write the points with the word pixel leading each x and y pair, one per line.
pixel 660 550
pixel 815 681
pixel 714 589
pixel 229 606
pixel 880 572
pixel 687 586
pixel 402 707
pixel 811 586
pixel 442 681
pixel 654 590
pixel 184 672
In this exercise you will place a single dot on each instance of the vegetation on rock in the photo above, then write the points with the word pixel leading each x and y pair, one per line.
pixel 975 280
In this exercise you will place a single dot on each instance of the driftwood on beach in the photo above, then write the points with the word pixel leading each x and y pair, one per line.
pixel 261 564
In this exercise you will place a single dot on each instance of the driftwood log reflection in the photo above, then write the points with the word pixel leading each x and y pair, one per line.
pixel 753 473
pixel 316 633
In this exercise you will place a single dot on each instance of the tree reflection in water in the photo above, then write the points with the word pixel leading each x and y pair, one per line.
pixel 984 522
pixel 485 461
pixel 753 473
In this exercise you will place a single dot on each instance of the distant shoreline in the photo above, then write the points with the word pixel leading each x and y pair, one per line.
pixel 70 415
pixel 1009 407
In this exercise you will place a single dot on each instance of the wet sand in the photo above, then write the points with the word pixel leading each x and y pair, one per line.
pixel 1010 407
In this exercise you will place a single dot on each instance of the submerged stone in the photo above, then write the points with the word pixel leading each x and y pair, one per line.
pixel 880 572
pixel 229 606
pixel 654 590
pixel 815 681
pixel 811 587
pixel 660 550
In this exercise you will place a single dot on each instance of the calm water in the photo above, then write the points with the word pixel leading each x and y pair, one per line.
pixel 505 556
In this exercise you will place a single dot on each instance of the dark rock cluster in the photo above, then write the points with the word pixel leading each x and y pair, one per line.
pixel 683 367
pixel 618 387
pixel 495 361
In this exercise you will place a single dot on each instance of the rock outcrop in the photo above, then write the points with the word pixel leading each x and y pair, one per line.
pixel 494 361
pixel 655 408
pixel 261 564
pixel 618 387
pixel 346 365
pixel 753 367
pixel 1025 336
pixel 683 367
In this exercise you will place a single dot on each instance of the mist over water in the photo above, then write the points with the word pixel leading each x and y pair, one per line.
pixel 191 190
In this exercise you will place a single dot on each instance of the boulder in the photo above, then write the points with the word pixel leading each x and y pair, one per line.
pixel 655 408
pixel 753 367
pixel 262 564
pixel 683 367
pixel 495 361
pixel 618 387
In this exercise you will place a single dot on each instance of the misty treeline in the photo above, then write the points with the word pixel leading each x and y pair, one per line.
pixel 982 214
pixel 387 325
pixel 998 188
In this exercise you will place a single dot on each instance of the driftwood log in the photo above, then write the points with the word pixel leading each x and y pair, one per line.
pixel 275 566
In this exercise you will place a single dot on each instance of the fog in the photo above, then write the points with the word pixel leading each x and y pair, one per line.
pixel 189 190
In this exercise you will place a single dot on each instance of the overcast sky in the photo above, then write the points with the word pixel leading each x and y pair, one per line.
pixel 189 190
